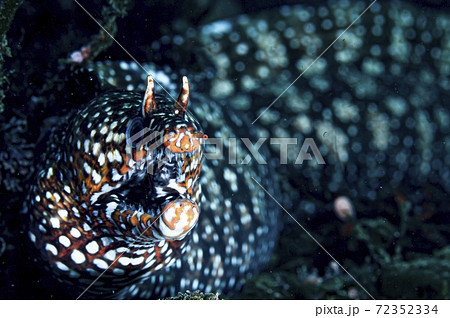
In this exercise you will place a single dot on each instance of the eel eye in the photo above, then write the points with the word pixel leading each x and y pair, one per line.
pixel 135 132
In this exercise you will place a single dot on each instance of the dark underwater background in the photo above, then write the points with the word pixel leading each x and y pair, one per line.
pixel 376 103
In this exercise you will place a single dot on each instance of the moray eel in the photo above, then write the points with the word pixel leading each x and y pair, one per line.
pixel 118 198
pixel 375 100
pixel 114 199
pixel 375 103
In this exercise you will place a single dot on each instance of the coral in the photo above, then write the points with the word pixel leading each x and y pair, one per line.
pixel 104 39
pixel 7 11
pixel 424 277
pixel 389 256
pixel 196 295
pixel 16 155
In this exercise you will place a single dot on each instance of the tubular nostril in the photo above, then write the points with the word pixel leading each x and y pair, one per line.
pixel 201 135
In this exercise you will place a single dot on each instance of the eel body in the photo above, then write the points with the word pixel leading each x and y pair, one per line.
pixel 375 102
pixel 118 200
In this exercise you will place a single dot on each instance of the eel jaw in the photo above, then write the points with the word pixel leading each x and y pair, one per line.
pixel 175 221
pixel 150 202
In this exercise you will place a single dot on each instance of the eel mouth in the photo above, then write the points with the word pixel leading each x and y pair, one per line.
pixel 153 193
pixel 158 207
pixel 151 187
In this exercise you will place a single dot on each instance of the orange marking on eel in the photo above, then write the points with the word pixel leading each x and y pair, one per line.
pixel 188 143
